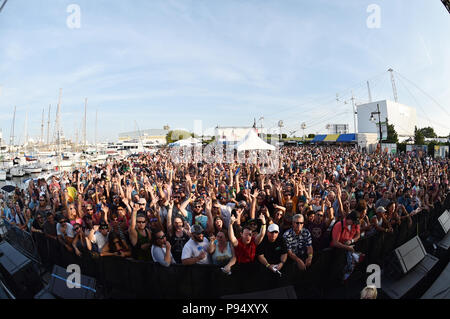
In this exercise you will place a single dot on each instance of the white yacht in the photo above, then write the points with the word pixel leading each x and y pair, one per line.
pixel 33 168
pixel 2 175
pixel 17 171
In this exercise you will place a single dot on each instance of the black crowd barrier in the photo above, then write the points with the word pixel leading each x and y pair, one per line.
pixel 126 278
pixel 23 241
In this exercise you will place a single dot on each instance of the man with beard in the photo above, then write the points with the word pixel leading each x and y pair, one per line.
pixel 195 250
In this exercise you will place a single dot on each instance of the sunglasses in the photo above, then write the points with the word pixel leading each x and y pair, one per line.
pixel 299 223
pixel 141 222
pixel 153 220
pixel 161 237
pixel 76 229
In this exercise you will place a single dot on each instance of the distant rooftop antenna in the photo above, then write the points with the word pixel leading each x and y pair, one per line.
pixel 394 88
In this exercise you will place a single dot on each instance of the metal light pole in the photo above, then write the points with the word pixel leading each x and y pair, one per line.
pixel 372 119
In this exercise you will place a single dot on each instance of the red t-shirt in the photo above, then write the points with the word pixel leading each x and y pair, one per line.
pixel 245 253
pixel 344 235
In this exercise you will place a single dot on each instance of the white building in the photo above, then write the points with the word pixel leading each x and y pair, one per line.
pixel 403 118
pixel 152 136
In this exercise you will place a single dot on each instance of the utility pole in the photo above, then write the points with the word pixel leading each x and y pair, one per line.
pixel 394 88
pixel 354 114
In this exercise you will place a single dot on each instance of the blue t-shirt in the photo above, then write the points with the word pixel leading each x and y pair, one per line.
pixel 201 220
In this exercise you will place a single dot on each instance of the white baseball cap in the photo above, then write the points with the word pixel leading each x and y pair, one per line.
pixel 273 228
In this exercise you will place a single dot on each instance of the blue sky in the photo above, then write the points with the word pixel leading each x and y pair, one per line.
pixel 223 62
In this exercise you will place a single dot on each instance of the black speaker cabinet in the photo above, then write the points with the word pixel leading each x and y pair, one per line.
pixel 19 273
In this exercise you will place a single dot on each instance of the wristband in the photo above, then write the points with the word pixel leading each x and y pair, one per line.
pixel 268 265
pixel 263 224
pixel 310 255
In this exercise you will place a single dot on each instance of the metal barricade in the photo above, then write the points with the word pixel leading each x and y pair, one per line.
pixel 22 241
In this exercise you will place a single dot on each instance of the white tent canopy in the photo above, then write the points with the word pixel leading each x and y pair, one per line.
pixel 252 142
pixel 187 142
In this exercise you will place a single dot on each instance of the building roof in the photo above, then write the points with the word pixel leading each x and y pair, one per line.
pixel 149 132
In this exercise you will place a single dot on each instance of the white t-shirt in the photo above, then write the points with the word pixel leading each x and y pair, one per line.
pixel 100 240
pixel 193 249
pixel 69 231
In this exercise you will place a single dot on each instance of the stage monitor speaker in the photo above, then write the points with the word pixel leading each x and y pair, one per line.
pixel 58 287
pixel 19 273
pixel 444 221
pixel 279 293
pixel 410 254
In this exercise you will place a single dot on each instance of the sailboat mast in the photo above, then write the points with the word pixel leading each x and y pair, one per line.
pixel 84 124
pixel 58 133
pixel 25 143
pixel 12 130
pixel 41 140
pixel 95 139
pixel 48 125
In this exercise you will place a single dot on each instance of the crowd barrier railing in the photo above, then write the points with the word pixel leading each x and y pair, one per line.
pixel 138 279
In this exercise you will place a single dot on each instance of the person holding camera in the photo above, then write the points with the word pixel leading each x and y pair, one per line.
pixel 272 252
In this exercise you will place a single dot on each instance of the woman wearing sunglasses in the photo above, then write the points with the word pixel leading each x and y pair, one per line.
pixel 161 249
pixel 80 243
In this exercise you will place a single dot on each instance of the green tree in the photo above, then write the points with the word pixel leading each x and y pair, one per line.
pixel 428 132
pixel 177 135
pixel 392 136
pixel 419 139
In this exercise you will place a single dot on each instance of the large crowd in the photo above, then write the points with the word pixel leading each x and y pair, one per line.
pixel 147 207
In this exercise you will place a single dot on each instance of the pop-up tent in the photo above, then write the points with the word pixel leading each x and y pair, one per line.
pixel 187 142
pixel 252 142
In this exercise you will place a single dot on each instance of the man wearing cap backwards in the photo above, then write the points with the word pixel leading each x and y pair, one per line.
pixel 195 250
pixel 272 252
pixel 299 243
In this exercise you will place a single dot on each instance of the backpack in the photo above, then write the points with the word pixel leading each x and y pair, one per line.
pixel 329 232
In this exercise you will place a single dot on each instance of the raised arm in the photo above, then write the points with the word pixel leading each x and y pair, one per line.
pixel 233 239
pixel 262 231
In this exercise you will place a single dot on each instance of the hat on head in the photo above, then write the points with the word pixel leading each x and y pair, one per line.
pixel 381 209
pixel 196 229
pixel 273 228
pixel 142 201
